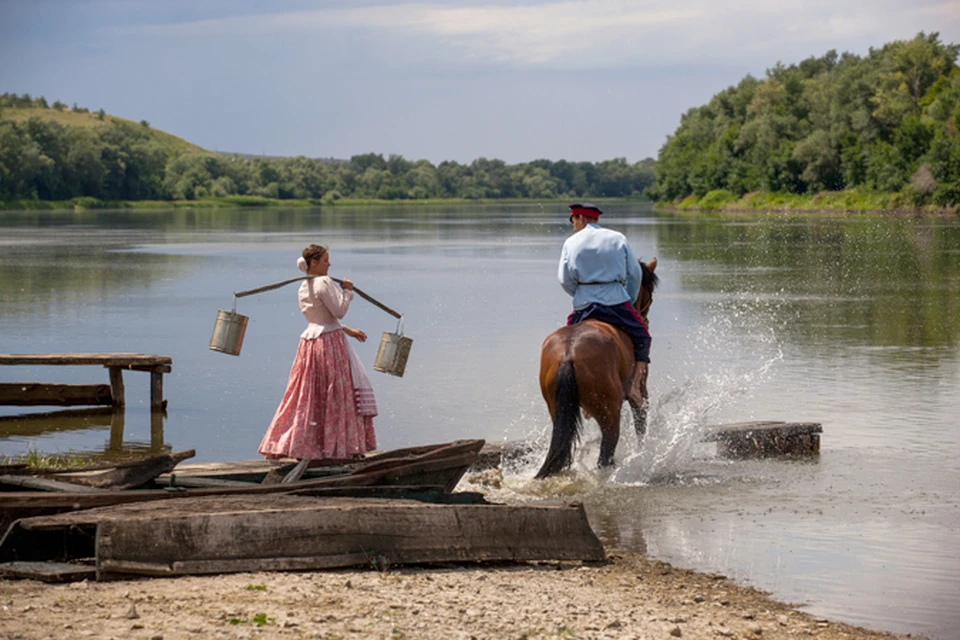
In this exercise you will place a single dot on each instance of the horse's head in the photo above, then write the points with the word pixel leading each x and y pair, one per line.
pixel 648 282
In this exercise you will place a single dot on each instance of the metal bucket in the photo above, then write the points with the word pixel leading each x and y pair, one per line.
pixel 393 353
pixel 228 332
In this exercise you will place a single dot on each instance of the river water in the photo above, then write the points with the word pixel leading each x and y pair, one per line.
pixel 852 322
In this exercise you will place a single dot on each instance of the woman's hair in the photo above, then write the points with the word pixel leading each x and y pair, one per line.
pixel 314 252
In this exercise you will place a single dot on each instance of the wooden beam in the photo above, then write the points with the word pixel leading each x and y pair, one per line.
pixel 287 532
pixel 34 394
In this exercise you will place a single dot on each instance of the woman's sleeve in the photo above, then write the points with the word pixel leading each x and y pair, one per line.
pixel 335 299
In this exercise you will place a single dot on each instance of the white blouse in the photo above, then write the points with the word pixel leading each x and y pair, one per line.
pixel 322 303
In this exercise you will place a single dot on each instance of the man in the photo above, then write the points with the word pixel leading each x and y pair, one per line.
pixel 598 268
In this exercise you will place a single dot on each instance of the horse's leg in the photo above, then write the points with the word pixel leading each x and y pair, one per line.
pixel 639 409
pixel 608 417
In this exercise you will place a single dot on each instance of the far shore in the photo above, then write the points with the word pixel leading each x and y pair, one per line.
pixel 828 204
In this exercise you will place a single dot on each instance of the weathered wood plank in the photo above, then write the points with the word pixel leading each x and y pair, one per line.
pixel 296 472
pixel 104 359
pixel 43 484
pixel 34 394
pixel 271 533
pixel 48 571
pixel 192 482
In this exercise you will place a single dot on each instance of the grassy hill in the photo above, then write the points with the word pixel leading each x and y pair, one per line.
pixel 70 118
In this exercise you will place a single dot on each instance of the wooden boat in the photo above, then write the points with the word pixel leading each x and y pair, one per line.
pixel 430 470
pixel 231 533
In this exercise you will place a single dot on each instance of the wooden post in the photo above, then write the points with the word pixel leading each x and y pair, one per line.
pixel 156 390
pixel 116 386
pixel 156 431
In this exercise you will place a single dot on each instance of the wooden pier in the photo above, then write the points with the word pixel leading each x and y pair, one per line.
pixel 32 394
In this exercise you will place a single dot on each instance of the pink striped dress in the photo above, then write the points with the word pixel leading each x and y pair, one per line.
pixel 328 407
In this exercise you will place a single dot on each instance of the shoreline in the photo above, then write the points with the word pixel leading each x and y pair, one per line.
pixel 629 596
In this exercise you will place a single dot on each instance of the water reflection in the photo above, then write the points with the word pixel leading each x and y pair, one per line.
pixel 37 426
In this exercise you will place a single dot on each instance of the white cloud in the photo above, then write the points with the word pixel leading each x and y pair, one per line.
pixel 610 33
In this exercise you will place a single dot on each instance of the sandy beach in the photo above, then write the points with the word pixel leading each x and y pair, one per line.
pixel 628 596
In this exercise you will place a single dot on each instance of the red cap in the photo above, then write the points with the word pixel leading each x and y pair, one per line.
pixel 585 209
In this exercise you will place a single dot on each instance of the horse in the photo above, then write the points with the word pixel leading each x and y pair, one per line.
pixel 588 366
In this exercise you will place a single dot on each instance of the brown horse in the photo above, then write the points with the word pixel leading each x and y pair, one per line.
pixel 588 365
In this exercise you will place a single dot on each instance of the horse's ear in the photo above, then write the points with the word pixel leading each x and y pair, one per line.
pixel 652 265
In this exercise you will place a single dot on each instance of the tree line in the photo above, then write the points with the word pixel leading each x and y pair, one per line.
pixel 885 122
pixel 42 159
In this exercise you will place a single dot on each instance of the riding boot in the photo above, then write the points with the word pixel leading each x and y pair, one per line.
pixel 638 383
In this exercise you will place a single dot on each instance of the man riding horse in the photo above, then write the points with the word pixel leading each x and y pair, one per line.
pixel 598 268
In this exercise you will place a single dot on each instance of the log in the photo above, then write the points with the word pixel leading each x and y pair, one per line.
pixel 48 571
pixel 193 536
pixel 33 394
pixel 768 438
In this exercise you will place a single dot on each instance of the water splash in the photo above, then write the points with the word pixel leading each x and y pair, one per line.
pixel 720 364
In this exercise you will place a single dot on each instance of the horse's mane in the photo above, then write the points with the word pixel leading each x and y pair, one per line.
pixel 648 278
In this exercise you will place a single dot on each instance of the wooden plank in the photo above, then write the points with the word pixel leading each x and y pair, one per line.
pixel 30 394
pixel 191 482
pixel 48 571
pixel 296 472
pixel 104 359
pixel 339 532
pixel 43 484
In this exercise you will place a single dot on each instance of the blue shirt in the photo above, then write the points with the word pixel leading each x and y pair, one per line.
pixel 598 265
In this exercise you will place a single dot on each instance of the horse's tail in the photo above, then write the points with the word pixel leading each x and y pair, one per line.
pixel 566 422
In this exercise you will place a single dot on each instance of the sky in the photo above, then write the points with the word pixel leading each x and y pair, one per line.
pixel 577 80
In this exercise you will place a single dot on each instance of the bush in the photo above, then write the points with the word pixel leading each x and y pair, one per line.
pixel 717 199
pixel 87 202
pixel 947 195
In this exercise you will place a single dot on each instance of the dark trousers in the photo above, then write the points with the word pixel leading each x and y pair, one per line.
pixel 624 317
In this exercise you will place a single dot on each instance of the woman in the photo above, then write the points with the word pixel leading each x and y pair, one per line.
pixel 328 408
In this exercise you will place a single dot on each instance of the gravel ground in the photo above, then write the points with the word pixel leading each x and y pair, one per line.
pixel 627 597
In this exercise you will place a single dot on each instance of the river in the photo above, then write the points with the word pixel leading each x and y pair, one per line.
pixel 852 322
